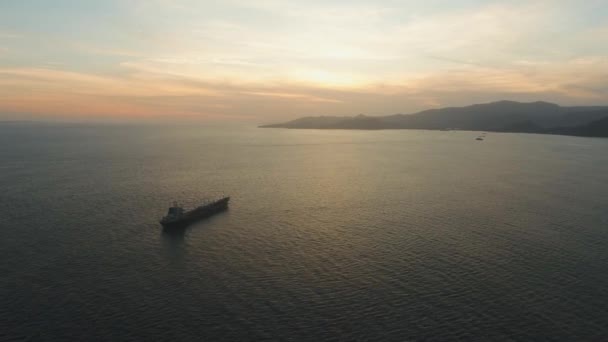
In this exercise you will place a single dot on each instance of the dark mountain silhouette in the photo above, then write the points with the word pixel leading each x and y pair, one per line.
pixel 597 128
pixel 502 116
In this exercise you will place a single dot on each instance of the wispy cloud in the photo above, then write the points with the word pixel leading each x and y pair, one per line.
pixel 90 84
pixel 266 59
pixel 9 35
pixel 304 97
pixel 110 51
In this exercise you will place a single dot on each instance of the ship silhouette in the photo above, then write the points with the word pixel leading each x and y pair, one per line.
pixel 177 217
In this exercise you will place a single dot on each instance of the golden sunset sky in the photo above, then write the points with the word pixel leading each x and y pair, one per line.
pixel 269 60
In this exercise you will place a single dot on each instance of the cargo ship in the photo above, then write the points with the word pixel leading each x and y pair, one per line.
pixel 177 217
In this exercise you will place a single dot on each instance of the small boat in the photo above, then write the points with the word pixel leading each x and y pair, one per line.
pixel 479 138
pixel 177 217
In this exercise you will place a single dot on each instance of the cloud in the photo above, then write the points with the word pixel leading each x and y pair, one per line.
pixel 91 84
pixel 109 51
pixel 9 35
pixel 150 93
pixel 271 59
pixel 141 94
pixel 291 96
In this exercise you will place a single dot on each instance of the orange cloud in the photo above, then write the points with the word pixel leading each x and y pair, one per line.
pixel 149 93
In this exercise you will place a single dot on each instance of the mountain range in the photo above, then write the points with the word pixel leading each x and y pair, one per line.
pixel 501 116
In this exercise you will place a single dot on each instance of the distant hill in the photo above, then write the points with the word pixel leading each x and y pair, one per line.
pixel 597 128
pixel 502 116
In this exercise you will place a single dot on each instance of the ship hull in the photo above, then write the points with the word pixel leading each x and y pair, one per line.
pixel 197 214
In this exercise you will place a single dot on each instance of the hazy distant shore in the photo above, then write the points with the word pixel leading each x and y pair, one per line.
pixel 502 116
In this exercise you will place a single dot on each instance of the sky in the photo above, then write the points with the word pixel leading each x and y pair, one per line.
pixel 269 60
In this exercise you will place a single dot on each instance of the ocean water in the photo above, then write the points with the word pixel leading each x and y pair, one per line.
pixel 331 235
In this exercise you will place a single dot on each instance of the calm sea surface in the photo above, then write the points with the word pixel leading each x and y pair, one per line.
pixel 331 235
